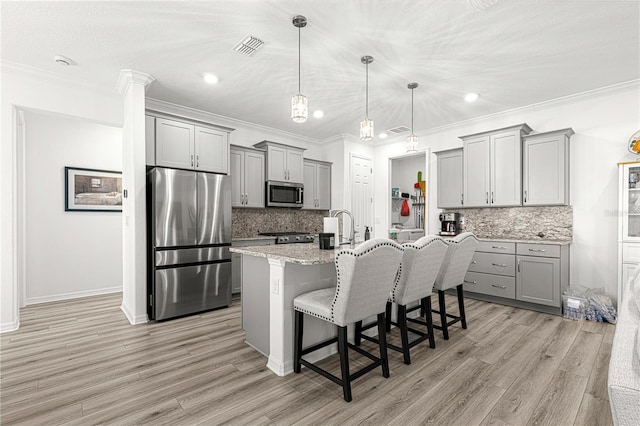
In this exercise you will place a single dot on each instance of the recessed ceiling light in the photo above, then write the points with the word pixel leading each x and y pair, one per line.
pixel 63 60
pixel 318 114
pixel 210 78
pixel 471 97
pixel 382 135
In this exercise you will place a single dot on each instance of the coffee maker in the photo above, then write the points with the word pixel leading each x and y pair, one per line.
pixel 450 224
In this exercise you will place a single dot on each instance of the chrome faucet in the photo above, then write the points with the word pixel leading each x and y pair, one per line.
pixel 352 238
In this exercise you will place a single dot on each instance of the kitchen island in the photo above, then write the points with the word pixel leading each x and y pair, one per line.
pixel 272 276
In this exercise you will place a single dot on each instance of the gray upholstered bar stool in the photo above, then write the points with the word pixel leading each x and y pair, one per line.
pixel 421 262
pixel 454 267
pixel 365 275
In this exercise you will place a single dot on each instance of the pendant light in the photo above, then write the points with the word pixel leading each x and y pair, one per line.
pixel 366 125
pixel 299 103
pixel 412 140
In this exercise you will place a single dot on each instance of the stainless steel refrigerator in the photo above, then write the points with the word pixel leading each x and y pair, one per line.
pixel 189 235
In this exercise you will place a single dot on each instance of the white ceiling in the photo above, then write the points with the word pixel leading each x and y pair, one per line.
pixel 514 53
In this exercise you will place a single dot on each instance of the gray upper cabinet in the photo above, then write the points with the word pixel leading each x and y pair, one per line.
pixel 317 185
pixel 284 162
pixel 247 177
pixel 545 163
pixel 187 146
pixel 476 171
pixel 492 167
pixel 450 193
pixel 150 139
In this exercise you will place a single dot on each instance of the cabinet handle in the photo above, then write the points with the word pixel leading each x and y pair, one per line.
pixel 191 160
pixel 525 195
pixel 499 247
pixel 491 197
pixel 474 262
pixel 246 199
pixel 462 199
pixel 538 250
pixel 518 265
pixel 470 282
pixel 198 160
pixel 501 265
pixel 486 198
pixel 499 286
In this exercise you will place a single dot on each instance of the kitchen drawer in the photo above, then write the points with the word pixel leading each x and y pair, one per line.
pixel 542 250
pixel 497 247
pixel 493 285
pixel 631 252
pixel 493 263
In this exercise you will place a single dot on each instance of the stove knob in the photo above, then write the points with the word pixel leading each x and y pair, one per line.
pixel 285 239
pixel 297 238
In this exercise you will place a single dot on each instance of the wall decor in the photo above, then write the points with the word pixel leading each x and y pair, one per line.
pixel 92 190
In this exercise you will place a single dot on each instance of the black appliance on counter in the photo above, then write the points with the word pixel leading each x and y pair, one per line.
pixel 450 224
pixel 188 240
pixel 290 237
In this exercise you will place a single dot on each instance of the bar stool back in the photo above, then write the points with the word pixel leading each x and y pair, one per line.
pixel 365 276
pixel 454 267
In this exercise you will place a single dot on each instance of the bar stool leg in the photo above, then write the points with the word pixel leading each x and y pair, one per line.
pixel 443 314
pixel 388 316
pixel 463 317
pixel 344 362
pixel 426 307
pixel 382 342
pixel 297 348
pixel 404 333
pixel 357 338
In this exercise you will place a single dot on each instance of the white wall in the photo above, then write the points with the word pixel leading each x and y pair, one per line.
pixel 25 90
pixel 68 254
pixel 603 121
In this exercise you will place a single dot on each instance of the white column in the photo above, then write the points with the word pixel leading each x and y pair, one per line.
pixel 132 85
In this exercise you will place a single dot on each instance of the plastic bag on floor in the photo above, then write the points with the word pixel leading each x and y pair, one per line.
pixel 600 309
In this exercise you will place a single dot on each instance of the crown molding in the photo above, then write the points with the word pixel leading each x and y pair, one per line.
pixel 29 71
pixel 589 94
pixel 210 117
pixel 128 77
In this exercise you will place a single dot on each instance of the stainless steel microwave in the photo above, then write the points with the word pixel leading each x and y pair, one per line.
pixel 284 194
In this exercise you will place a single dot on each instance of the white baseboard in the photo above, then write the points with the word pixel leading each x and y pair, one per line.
pixel 73 295
pixel 140 319
pixel 9 326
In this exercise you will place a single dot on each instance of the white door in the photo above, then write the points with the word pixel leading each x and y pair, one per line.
pixel 361 194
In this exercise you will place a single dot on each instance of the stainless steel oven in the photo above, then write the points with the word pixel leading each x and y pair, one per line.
pixel 284 194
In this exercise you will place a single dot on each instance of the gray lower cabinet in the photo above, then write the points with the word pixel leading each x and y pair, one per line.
pixel 522 272
pixel 236 261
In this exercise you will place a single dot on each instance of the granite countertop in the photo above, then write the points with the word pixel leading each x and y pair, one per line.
pixel 528 241
pixel 303 253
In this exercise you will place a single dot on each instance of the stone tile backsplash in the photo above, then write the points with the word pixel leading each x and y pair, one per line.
pixel 246 223
pixel 535 223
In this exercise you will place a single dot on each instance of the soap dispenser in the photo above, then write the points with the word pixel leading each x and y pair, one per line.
pixel 367 235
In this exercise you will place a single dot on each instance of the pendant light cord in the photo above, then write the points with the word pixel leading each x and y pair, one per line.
pixel 299 68
pixel 412 111
pixel 367 93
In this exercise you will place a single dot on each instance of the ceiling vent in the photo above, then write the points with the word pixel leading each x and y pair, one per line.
pixel 398 130
pixel 248 45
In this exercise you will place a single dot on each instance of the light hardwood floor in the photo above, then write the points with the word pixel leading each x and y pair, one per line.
pixel 80 362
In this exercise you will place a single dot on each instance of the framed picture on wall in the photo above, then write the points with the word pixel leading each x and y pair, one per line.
pixel 92 190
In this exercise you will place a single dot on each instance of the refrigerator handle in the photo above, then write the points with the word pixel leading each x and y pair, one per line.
pixel 299 195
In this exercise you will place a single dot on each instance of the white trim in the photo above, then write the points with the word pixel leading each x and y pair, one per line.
pixel 10 326
pixel 133 320
pixel 158 105
pixel 128 77
pixel 21 209
pixel 72 295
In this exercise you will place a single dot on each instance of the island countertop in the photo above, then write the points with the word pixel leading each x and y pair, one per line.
pixel 303 253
